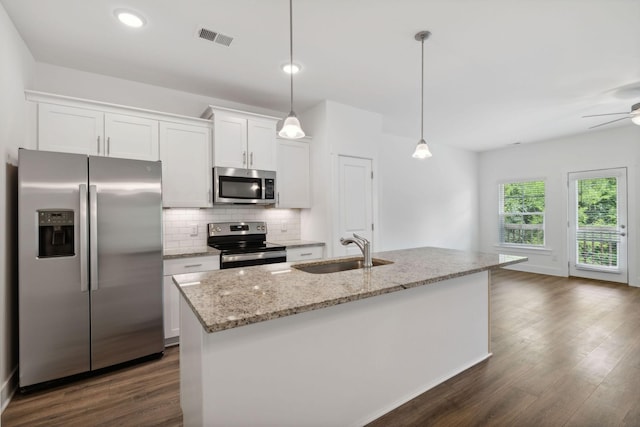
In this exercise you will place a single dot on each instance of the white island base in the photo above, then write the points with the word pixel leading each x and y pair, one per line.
pixel 343 365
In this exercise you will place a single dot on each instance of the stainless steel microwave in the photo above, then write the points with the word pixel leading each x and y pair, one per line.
pixel 244 186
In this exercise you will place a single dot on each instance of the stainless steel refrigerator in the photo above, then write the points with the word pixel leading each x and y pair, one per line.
pixel 90 255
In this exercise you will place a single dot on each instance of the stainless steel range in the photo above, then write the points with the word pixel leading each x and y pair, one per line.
pixel 242 244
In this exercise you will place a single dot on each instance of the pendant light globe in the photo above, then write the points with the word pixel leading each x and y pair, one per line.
pixel 422 150
pixel 291 127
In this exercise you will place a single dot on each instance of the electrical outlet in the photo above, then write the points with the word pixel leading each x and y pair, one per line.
pixel 194 229
pixel 283 226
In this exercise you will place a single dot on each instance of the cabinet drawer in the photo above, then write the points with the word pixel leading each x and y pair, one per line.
pixel 191 265
pixel 304 253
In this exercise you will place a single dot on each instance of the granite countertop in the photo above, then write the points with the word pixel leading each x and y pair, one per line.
pixel 296 243
pixel 189 252
pixel 226 299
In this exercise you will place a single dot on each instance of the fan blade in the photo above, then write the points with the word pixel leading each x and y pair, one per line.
pixel 606 123
pixel 606 114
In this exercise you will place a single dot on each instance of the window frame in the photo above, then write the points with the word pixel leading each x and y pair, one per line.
pixel 502 215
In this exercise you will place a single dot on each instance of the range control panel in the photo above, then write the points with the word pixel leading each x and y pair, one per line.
pixel 237 228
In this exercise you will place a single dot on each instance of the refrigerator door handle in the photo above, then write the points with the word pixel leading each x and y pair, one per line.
pixel 82 216
pixel 93 235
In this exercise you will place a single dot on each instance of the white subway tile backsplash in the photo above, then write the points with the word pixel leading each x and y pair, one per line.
pixel 177 223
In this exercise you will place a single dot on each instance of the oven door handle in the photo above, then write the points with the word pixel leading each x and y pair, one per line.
pixel 253 256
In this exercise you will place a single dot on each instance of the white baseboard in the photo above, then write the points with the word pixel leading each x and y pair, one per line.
pixel 538 269
pixel 9 387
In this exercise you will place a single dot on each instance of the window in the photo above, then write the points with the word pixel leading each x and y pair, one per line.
pixel 521 209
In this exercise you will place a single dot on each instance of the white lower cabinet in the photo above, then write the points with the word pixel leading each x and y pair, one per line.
pixel 171 293
pixel 305 253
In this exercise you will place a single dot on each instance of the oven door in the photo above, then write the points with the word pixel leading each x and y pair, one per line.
pixel 253 258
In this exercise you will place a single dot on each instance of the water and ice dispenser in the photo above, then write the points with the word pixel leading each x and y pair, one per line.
pixel 55 233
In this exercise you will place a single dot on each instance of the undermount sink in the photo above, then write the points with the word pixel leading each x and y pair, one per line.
pixel 337 265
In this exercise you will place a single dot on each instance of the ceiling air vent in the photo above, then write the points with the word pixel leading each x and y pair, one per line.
pixel 213 36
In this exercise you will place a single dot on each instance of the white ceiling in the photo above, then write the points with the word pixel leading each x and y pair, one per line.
pixel 496 71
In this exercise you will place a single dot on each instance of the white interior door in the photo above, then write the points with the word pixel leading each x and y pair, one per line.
pixel 598 224
pixel 355 202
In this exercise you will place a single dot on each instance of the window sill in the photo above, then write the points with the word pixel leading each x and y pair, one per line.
pixel 523 249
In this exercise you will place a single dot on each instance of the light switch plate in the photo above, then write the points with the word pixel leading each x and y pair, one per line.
pixel 283 226
pixel 194 229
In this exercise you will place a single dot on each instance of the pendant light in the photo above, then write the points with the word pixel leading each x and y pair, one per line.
pixel 422 150
pixel 291 127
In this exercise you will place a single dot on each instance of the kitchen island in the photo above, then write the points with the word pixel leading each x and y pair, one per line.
pixel 273 345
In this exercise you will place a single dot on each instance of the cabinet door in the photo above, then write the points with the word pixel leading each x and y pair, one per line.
pixel 262 144
pixel 131 137
pixel 304 253
pixel 230 141
pixel 292 178
pixel 171 309
pixel 172 294
pixel 186 168
pixel 70 129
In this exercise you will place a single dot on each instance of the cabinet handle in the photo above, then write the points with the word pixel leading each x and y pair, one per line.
pixel 209 196
pixel 251 159
pixel 193 266
pixel 306 254
pixel 98 144
pixel 244 157
pixel 278 197
pixel 108 145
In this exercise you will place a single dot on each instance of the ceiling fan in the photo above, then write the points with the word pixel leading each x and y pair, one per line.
pixel 634 115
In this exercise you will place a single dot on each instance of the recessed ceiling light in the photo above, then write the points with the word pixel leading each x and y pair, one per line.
pixel 291 68
pixel 129 18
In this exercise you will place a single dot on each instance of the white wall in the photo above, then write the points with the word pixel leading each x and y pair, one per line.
pixel 314 224
pixel 430 202
pixel 337 129
pixel 552 161
pixel 16 74
pixel 417 203
pixel 282 224
pixel 81 84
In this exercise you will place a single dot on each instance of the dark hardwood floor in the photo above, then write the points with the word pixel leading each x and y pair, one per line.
pixel 566 352
pixel 147 394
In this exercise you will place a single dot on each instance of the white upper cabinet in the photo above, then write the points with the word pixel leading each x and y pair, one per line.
pixel 131 137
pixel 243 140
pixel 70 129
pixel 293 176
pixel 230 141
pixel 185 151
pixel 262 144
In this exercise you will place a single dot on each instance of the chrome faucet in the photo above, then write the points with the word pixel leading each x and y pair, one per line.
pixel 363 244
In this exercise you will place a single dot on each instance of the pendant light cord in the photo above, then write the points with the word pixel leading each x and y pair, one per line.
pixel 291 49
pixel 422 93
